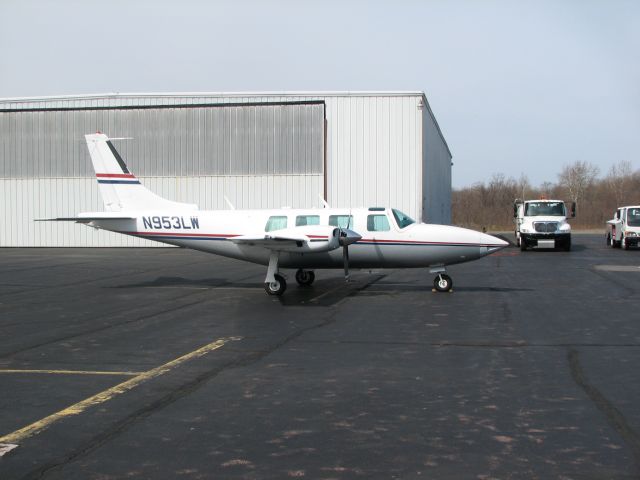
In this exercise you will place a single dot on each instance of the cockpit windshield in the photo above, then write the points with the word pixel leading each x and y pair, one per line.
pixel 402 219
pixel 544 209
pixel 633 217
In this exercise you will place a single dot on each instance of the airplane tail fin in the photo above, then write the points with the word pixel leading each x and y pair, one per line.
pixel 120 189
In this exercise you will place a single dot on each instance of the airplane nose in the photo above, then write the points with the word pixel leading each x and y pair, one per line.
pixel 490 244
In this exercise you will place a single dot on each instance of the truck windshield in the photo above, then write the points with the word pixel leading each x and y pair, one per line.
pixel 544 209
pixel 633 217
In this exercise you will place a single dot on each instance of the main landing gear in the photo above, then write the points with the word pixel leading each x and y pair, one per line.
pixel 275 284
pixel 442 282
pixel 305 277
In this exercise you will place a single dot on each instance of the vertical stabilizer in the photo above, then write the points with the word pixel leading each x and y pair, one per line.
pixel 120 189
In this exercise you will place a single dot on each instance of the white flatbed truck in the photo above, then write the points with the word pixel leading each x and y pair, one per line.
pixel 623 230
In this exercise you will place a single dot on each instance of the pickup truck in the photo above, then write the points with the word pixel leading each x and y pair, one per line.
pixel 623 230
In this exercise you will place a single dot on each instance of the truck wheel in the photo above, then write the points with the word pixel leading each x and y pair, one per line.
pixel 608 237
pixel 517 239
pixel 623 243
pixel 612 241
pixel 523 245
pixel 567 246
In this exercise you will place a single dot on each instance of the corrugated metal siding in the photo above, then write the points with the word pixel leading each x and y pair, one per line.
pixel 257 155
pixel 382 149
pixel 188 141
pixel 23 200
pixel 436 178
pixel 375 152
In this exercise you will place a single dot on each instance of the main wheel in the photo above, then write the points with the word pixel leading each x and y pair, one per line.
pixel 443 283
pixel 305 277
pixel 276 288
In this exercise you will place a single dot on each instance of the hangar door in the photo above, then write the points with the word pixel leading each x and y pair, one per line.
pixel 259 155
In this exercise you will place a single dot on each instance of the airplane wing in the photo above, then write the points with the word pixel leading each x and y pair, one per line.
pixel 298 239
pixel 269 241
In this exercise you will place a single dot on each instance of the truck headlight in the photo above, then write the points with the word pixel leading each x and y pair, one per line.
pixel 632 234
pixel 565 227
pixel 524 230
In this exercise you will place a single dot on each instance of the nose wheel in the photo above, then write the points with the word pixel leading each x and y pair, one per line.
pixel 443 283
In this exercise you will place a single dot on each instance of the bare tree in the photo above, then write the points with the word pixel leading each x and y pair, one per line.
pixel 620 181
pixel 577 178
pixel 488 204
pixel 546 189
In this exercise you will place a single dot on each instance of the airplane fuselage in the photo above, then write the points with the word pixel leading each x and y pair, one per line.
pixel 384 243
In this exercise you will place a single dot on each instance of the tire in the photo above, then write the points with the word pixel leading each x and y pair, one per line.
pixel 523 245
pixel 443 283
pixel 567 246
pixel 517 239
pixel 608 237
pixel 276 288
pixel 623 243
pixel 305 277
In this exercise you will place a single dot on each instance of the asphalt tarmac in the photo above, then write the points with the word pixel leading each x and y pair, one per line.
pixel 168 363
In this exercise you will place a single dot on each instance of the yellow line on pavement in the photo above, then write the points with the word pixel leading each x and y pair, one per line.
pixel 70 372
pixel 106 395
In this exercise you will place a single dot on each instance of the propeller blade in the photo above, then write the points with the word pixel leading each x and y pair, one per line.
pixel 345 261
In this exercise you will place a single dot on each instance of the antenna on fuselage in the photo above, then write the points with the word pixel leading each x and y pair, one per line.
pixel 229 203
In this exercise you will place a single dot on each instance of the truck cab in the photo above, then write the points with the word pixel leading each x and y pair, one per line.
pixel 542 224
pixel 623 230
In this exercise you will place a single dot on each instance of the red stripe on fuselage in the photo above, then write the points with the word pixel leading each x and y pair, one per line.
pixel 115 175
pixel 172 234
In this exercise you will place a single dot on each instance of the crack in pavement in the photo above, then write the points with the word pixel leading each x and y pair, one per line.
pixel 614 417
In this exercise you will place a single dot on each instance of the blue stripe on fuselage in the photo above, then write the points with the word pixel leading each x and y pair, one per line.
pixel 120 182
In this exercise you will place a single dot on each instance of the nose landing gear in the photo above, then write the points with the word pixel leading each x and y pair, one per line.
pixel 443 283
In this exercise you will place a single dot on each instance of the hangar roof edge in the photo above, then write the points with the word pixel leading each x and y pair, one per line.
pixel 113 95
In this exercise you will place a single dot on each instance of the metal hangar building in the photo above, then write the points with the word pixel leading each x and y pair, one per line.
pixel 259 150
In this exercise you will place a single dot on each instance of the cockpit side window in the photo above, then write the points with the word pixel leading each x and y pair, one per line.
pixel 276 222
pixel 402 219
pixel 378 223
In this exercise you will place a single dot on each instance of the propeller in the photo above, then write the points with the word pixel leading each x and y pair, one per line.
pixel 347 237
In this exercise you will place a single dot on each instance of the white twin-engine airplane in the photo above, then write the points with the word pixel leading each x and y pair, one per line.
pixel 285 238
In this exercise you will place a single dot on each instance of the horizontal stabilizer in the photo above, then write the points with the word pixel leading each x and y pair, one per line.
pixel 87 219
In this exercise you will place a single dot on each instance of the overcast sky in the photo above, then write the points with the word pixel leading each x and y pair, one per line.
pixel 518 87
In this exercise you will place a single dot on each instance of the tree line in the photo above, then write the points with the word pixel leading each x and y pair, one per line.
pixel 489 205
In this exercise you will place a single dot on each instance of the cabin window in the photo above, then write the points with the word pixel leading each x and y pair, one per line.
pixel 276 223
pixel 378 223
pixel 341 221
pixel 302 220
